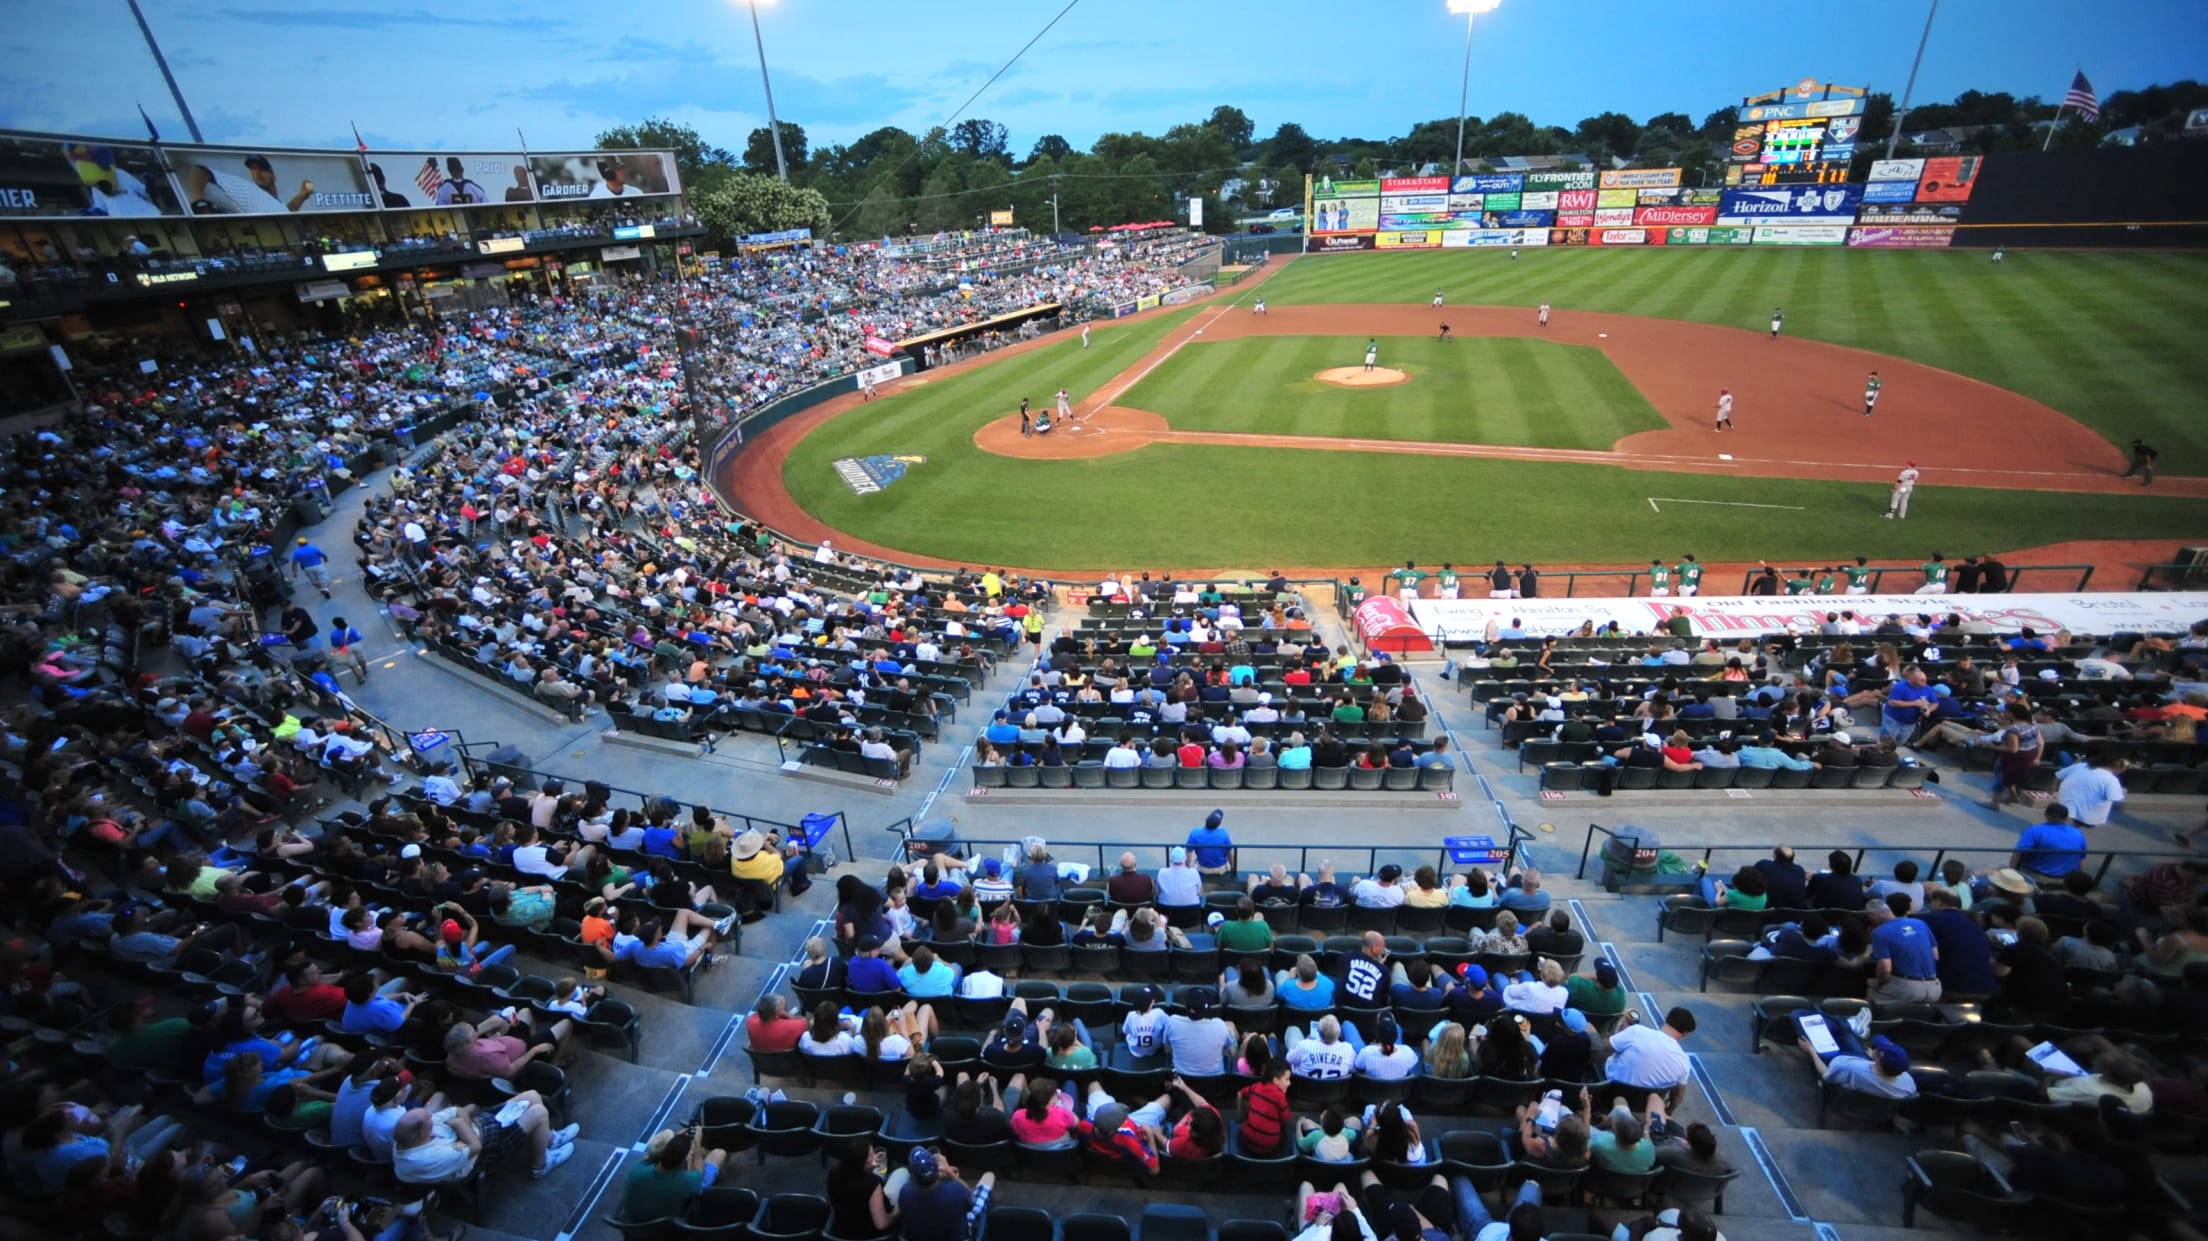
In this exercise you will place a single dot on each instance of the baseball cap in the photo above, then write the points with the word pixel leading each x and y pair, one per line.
pixel 1390 1031
pixel 1390 873
pixel 1890 1055
pixel 411 851
pixel 1606 974
pixel 452 932
pixel 1215 818
pixel 1908 463
pixel 869 943
pixel 991 867
pixel 1473 974
pixel 1110 1117
pixel 1575 1020
pixel 1214 918
pixel 1178 856
pixel 1015 1022
pixel 924 1165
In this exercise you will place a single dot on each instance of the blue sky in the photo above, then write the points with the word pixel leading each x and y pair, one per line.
pixel 447 74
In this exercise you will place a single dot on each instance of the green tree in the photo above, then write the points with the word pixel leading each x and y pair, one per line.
pixel 1608 134
pixel 989 188
pixel 939 208
pixel 1051 147
pixel 881 213
pixel 703 166
pixel 749 203
pixel 1031 191
pixel 980 139
pixel 1291 147
pixel 1140 193
pixel 1118 148
pixel 1232 124
pixel 759 148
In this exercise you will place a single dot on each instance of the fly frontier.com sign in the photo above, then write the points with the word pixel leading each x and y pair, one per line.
pixel 1466 620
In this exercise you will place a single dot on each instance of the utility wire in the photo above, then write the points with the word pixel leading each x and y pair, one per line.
pixel 1014 183
pixel 948 122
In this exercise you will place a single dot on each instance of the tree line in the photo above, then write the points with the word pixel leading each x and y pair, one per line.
pixel 893 182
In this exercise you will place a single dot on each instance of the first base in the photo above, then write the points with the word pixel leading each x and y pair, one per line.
pixel 1724 456
pixel 1602 336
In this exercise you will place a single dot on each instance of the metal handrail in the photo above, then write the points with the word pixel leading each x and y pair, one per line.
pixel 1107 852
pixel 2180 571
pixel 1916 575
pixel 1940 853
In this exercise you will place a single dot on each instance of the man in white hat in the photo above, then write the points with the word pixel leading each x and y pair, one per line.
pixel 1178 883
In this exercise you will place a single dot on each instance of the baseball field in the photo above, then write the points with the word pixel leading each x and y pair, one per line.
pixel 1212 436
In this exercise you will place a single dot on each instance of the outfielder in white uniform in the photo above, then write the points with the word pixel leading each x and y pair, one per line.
pixel 1437 299
pixel 1084 336
pixel 1904 483
pixel 1544 314
pixel 1259 308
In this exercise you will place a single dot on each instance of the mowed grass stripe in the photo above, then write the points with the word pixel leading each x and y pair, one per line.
pixel 1474 390
pixel 1336 508
pixel 2111 339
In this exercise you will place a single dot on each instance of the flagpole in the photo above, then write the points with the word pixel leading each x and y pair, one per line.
pixel 1910 88
pixel 162 62
pixel 2052 126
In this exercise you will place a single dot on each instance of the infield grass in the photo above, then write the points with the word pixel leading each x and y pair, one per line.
pixel 2117 340
pixel 1476 390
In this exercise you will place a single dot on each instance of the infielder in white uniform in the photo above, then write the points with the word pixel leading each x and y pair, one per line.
pixel 1259 308
pixel 1904 483
pixel 1724 409
pixel 1084 336
pixel 1065 406
pixel 1437 299
pixel 1544 314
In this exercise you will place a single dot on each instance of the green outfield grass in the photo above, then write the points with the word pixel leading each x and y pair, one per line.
pixel 1478 390
pixel 1199 504
pixel 2118 341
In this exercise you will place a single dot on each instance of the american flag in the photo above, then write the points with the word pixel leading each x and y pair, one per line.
pixel 429 178
pixel 2081 97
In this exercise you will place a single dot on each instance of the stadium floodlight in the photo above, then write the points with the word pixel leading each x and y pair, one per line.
pixel 774 127
pixel 1470 9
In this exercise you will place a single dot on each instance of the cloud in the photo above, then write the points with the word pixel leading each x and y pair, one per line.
pixel 420 20
pixel 657 85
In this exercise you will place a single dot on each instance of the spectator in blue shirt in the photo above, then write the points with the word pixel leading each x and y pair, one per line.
pixel 653 949
pixel 1212 847
pixel 1907 958
pixel 1766 754
pixel 2052 848
pixel 1908 702
pixel 314 562
pixel 368 1012
pixel 1523 893
pixel 1965 954
pixel 867 971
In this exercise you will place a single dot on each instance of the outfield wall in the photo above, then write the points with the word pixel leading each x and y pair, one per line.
pixel 1733 616
pixel 2107 196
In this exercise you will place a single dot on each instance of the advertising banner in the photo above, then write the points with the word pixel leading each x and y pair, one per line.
pixel 349 260
pixel 1492 237
pixel 1617 198
pixel 615 254
pixel 1710 236
pixel 1639 178
pixel 1490 183
pixel 1415 185
pixel 781 237
pixel 1332 245
pixel 1575 219
pixel 1521 219
pixel 46 177
pixel 1576 200
pixel 1736 616
pixel 244 181
pixel 410 180
pixel 604 174
pixel 1342 215
pixel 879 347
pixel 1897 170
pixel 1805 204
pixel 641 232
pixel 1328 187
pixel 1539 200
pixel 1747 142
pixel 1702 196
pixel 1805 235
pixel 1569 236
pixel 1800 111
pixel 321 290
pixel 1890 192
pixel 1504 202
pixel 1572 179
pixel 1669 216
pixel 1413 202
pixel 882 374
pixel 1148 301
pixel 1425 240
pixel 1908 238
pixel 1949 179
pixel 1186 293
pixel 1614 217
pixel 1915 213
pixel 1628 237
pixel 1474 203
pixel 1417 219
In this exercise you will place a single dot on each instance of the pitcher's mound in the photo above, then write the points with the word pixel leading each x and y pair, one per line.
pixel 1359 377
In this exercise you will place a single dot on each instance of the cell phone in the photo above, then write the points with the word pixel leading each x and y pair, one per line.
pixel 2004 938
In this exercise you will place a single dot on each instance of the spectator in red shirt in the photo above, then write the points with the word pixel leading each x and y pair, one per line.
pixel 1190 753
pixel 305 998
pixel 1267 1119
pixel 771 1027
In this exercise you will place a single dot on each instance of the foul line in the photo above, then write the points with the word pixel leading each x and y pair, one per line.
pixel 1727 503
pixel 1145 371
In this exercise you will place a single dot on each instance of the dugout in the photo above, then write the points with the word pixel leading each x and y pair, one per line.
pixel 2145 196
pixel 916 347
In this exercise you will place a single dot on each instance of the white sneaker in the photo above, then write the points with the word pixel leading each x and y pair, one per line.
pixel 563 1137
pixel 553 1158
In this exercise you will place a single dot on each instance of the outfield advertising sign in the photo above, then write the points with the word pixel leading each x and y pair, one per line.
pixel 1484 238
pixel 1337 244
pixel 1504 202
pixel 1699 196
pixel 1539 200
pixel 1628 237
pixel 1345 215
pixel 1890 192
pixel 1570 236
pixel 1805 235
pixel 1614 217
pixel 1949 179
pixel 1911 213
pixel 1575 219
pixel 1905 238
pixel 1897 170
pixel 1668 216
pixel 1406 241
pixel 1520 219
pixel 1710 236
pixel 1640 178
pixel 1415 185
pixel 1488 183
pixel 1574 179
pixel 1576 200
pixel 1805 204
pixel 1617 198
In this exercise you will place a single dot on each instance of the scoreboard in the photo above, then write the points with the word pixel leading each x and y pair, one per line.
pixel 1823 172
pixel 1802 135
